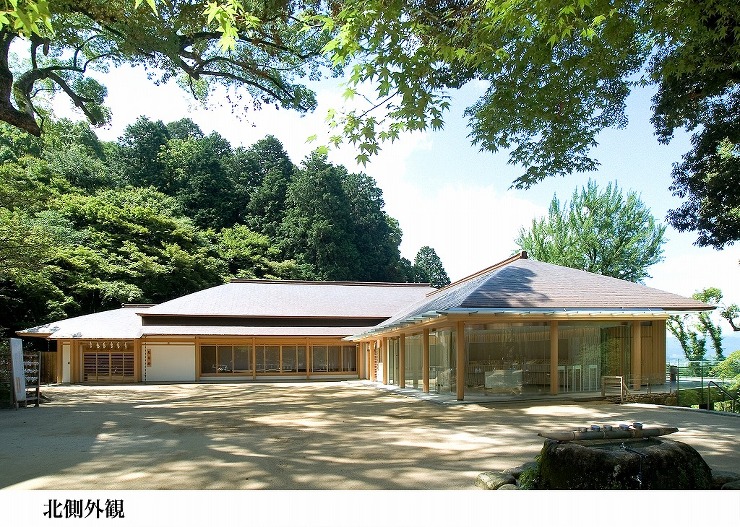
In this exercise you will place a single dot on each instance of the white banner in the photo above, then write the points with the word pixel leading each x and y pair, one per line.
pixel 19 375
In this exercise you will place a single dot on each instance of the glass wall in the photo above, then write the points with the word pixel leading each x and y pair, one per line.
pixel 219 359
pixel 442 358
pixel 509 358
pixel 276 359
pixel 414 361
pixel 589 350
pixel 334 359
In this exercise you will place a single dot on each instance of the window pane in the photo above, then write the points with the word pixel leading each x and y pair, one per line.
pixel 272 358
pixel 289 359
pixel 349 358
pixel 335 358
pixel 260 358
pixel 413 361
pixel 225 359
pixel 208 359
pixel 242 359
pixel 319 358
pixel 301 351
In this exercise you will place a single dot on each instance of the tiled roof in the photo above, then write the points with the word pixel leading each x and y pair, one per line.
pixel 123 323
pixel 288 298
pixel 520 284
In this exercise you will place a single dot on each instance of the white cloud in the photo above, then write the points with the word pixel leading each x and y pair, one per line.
pixel 469 226
pixel 687 269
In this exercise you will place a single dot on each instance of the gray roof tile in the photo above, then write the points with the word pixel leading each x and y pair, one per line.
pixel 522 284
pixel 287 298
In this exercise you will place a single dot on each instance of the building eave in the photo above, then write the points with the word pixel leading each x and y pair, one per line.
pixel 490 314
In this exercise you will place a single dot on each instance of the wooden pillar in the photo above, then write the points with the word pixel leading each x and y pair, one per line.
pixel 425 360
pixel 460 366
pixel 402 361
pixel 137 360
pixel 384 356
pixel 309 358
pixel 636 354
pixel 554 336
pixel 197 359
pixel 371 372
pixel 364 354
pixel 254 359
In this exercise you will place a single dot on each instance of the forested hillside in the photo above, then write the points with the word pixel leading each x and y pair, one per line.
pixel 165 210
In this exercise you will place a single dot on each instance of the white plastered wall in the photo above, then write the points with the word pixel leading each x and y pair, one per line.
pixel 168 362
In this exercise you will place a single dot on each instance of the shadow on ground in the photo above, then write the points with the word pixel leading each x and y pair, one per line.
pixel 347 435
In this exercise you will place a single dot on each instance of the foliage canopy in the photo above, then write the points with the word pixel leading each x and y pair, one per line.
pixel 555 73
pixel 67 39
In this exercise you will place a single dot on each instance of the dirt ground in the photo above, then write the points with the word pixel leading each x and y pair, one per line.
pixel 342 435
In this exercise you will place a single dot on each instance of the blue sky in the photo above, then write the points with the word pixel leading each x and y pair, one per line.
pixel 447 194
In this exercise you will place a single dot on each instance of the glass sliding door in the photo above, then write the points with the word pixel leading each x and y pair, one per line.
pixel 508 358
pixel 414 361
pixel 225 359
pixel 589 350
pixel 442 360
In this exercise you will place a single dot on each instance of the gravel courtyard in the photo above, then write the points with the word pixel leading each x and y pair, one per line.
pixel 343 435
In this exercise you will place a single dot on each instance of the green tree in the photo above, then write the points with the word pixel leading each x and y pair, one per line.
pixel 376 237
pixel 137 247
pixel 262 175
pixel 557 74
pixel 317 230
pixel 600 232
pixel 428 268
pixel 730 313
pixel 196 176
pixel 137 156
pixel 264 51
pixel 729 370
pixel 250 255
pixel 692 330
pixel 184 128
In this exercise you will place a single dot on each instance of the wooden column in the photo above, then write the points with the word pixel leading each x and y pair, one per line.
pixel 402 361
pixel 371 361
pixel 309 358
pixel 137 360
pixel 365 353
pixel 636 354
pixel 384 356
pixel 254 359
pixel 460 366
pixel 554 336
pixel 197 359
pixel 425 360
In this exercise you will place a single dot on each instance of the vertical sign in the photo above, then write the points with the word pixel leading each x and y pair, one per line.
pixel 19 374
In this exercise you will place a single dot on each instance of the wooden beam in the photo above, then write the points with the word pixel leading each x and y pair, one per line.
pixel 460 363
pixel 554 336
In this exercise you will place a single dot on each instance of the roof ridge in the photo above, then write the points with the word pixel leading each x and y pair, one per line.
pixel 326 282
pixel 522 255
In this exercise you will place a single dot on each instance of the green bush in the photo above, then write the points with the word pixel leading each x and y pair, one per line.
pixel 690 397
pixel 729 369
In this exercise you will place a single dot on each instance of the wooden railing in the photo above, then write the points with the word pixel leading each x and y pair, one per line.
pixel 612 383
